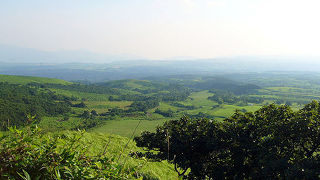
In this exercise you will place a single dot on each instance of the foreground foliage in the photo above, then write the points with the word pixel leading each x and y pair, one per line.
pixel 271 143
pixel 74 155
pixel 28 153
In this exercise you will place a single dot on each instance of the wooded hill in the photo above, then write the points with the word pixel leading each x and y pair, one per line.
pixel 191 122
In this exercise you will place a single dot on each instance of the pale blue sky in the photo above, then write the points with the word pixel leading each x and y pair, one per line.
pixel 164 28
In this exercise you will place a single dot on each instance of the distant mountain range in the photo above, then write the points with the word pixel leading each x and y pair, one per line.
pixel 88 66
pixel 13 54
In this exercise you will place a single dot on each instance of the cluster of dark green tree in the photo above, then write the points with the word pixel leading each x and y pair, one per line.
pixel 143 105
pixel 224 84
pixel 79 88
pixel 165 113
pixel 135 107
pixel 130 97
pixel 188 107
pixel 114 112
pixel 18 103
pixel 118 90
pixel 230 98
pixel 159 96
pixel 272 143
pixel 89 119
pixel 144 86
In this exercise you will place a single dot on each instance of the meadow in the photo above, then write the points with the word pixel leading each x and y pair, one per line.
pixel 111 124
pixel 30 79
pixel 296 94
pixel 126 125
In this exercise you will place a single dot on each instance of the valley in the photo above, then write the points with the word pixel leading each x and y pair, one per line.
pixel 110 114
pixel 173 97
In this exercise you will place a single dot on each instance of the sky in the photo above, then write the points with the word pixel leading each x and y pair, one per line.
pixel 160 29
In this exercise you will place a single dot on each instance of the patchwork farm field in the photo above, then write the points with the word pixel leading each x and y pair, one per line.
pixel 111 114
pixel 129 126
pixel 112 102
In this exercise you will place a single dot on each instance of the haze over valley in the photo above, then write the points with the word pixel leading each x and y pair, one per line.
pixel 159 89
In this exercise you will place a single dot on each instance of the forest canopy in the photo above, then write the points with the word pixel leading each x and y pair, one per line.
pixel 273 142
pixel 21 103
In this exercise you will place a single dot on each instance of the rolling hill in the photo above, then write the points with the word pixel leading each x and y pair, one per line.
pixel 30 79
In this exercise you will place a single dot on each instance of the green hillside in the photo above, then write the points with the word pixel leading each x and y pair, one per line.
pixel 30 79
pixel 106 156
pixel 112 101
pixel 129 84
pixel 117 145
pixel 113 112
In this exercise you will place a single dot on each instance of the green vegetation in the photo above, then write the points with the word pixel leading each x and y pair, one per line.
pixel 29 79
pixel 273 142
pixel 228 97
pixel 125 126
pixel 19 103
pixel 129 107
pixel 129 100
pixel 28 154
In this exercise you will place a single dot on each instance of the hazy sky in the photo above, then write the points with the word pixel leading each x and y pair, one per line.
pixel 165 28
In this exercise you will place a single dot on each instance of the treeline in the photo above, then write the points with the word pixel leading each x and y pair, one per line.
pixel 273 142
pixel 188 107
pixel 130 97
pixel 230 98
pixel 135 108
pixel 79 88
pixel 162 96
pixel 143 105
pixel 89 119
pixel 20 104
pixel 224 84
pixel 165 113
pixel 148 90
pixel 160 92
pixel 200 115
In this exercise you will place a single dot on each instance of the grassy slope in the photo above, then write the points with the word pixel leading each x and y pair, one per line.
pixel 97 141
pixel 115 145
pixel 29 79
pixel 80 95
pixel 126 126
pixel 131 84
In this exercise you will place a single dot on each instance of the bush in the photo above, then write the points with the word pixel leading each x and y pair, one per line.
pixel 168 113
pixel 29 153
pixel 271 143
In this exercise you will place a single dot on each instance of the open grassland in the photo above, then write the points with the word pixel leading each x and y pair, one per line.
pixel 83 95
pixel 102 106
pixel 126 126
pixel 202 104
pixel 29 79
pixel 118 151
pixel 227 110
pixel 199 100
pixel 116 148
pixel 166 106
pixel 293 92
pixel 53 124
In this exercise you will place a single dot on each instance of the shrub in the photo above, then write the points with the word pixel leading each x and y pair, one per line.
pixel 271 143
pixel 28 153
